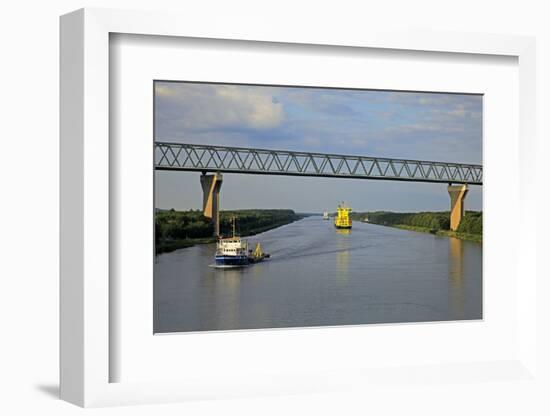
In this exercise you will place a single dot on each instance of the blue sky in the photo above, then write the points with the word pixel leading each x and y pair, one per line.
pixel 441 127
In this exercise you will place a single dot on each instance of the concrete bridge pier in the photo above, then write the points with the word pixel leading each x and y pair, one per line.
pixel 457 194
pixel 211 185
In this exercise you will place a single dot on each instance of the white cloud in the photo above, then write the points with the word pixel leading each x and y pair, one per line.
pixel 202 107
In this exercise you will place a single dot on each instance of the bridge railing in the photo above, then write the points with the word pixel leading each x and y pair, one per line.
pixel 207 158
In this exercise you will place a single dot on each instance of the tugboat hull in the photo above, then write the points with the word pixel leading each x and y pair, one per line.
pixel 232 260
pixel 234 252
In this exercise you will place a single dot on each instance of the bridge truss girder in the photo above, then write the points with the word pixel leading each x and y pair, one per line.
pixel 208 158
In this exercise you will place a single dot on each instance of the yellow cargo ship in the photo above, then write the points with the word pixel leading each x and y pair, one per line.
pixel 342 219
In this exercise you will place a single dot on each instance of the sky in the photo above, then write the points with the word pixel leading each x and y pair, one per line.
pixel 428 126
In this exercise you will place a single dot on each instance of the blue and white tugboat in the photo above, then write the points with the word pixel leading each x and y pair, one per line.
pixel 232 251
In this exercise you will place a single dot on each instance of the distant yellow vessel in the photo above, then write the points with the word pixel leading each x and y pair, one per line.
pixel 342 219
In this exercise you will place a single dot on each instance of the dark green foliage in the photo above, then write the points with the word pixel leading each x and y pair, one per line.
pixel 175 225
pixel 178 229
pixel 253 221
pixel 471 222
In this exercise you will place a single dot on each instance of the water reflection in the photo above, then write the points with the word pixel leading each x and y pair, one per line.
pixel 342 253
pixel 224 287
pixel 456 276
pixel 343 231
pixel 319 275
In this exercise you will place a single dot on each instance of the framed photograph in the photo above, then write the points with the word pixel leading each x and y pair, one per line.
pixel 271 212
pixel 242 243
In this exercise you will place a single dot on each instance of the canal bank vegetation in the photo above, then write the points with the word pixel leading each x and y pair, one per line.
pixel 181 229
pixel 471 226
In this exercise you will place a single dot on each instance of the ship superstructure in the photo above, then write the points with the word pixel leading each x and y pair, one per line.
pixel 343 218
pixel 325 215
pixel 232 251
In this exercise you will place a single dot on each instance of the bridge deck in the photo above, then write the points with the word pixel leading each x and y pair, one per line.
pixel 207 158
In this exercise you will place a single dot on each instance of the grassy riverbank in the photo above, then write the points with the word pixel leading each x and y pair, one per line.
pixel 443 233
pixel 438 223
pixel 181 229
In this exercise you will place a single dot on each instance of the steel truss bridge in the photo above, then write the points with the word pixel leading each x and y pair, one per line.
pixel 207 158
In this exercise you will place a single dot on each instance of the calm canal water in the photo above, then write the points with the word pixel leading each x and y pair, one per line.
pixel 322 276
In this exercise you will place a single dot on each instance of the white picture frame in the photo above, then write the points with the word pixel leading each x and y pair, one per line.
pixel 85 211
